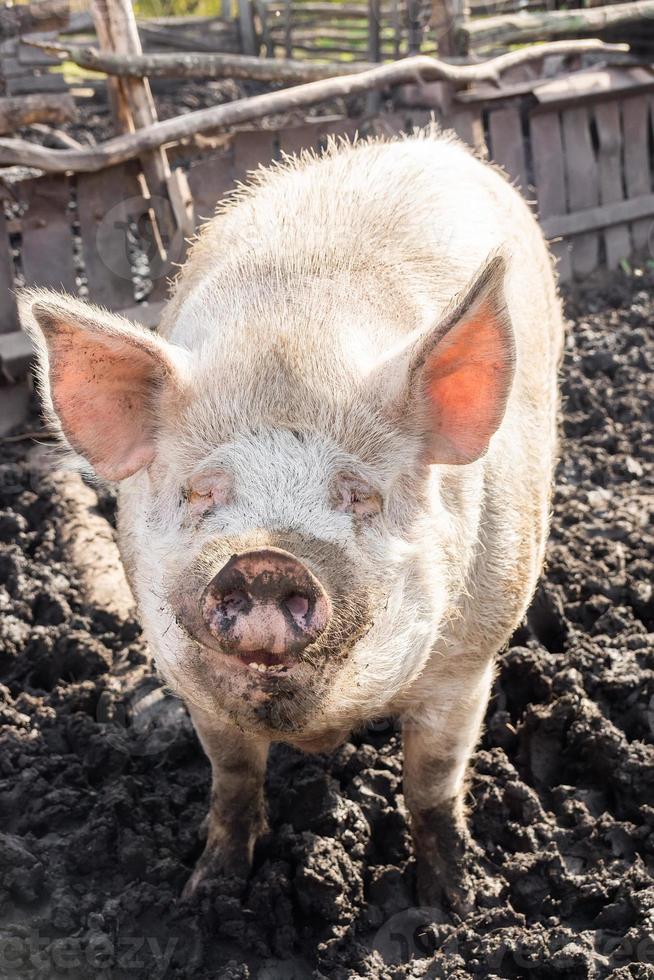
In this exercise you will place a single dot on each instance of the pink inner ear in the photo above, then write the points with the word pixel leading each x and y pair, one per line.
pixel 467 380
pixel 100 392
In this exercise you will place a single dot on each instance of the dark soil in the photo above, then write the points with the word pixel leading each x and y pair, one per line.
pixel 101 800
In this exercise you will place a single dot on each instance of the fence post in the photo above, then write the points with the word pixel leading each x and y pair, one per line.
pixel 374 50
pixel 448 17
pixel 246 22
pixel 171 211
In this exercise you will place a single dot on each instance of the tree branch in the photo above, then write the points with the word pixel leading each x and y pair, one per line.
pixel 524 26
pixel 198 64
pixel 127 146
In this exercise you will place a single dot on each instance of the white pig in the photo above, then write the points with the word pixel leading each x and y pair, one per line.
pixel 334 465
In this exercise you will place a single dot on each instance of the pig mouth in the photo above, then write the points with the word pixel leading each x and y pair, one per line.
pixel 264 662
pixel 254 664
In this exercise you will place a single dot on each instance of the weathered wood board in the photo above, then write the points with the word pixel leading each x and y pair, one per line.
pixel 617 241
pixel 47 237
pixel 293 141
pixel 549 175
pixel 210 178
pixel 507 145
pixel 582 180
pixel 636 128
pixel 106 202
pixel 8 311
pixel 252 149
pixel 469 126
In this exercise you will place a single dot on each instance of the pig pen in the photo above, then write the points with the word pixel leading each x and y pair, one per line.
pixel 103 785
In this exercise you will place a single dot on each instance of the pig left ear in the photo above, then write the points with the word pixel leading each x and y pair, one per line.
pixel 101 378
pixel 460 375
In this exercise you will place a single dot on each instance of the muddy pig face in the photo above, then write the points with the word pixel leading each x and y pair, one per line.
pixel 273 521
pixel 269 566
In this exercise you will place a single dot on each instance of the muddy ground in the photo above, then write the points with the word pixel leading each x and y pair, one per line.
pixel 101 798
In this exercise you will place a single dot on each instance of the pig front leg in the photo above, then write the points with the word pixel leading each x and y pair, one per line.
pixel 237 812
pixel 439 738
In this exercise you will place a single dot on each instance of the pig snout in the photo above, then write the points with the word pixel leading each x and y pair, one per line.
pixel 265 602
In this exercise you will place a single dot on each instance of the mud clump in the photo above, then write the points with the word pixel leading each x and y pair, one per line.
pixel 102 793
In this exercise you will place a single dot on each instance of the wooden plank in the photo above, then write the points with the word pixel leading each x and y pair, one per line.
pixel 337 126
pixel 483 94
pixel 14 403
pixel 47 241
pixel 287 22
pixel 583 183
pixel 595 219
pixel 617 241
pixel 13 68
pixel 251 150
pixel 549 174
pixel 293 141
pixel 526 27
pixel 266 37
pixel 326 9
pixel 210 178
pixel 27 55
pixel 149 314
pixel 392 123
pixel 33 84
pixel 246 24
pixel 414 28
pixel 592 83
pixel 417 119
pixel 156 37
pixel 15 355
pixel 373 100
pixel 340 126
pixel 396 27
pixel 507 144
pixel 8 310
pixel 106 201
pixel 637 171
pixel 356 35
pixel 468 126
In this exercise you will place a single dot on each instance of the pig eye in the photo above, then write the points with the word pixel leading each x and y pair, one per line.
pixel 207 491
pixel 198 496
pixel 354 496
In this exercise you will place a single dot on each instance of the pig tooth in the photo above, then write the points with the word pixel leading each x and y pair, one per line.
pixel 253 665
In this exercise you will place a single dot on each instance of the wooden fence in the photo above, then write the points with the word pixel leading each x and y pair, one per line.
pixel 584 159
pixel 378 30
pixel 383 30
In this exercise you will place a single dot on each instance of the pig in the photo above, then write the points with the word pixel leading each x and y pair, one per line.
pixel 334 464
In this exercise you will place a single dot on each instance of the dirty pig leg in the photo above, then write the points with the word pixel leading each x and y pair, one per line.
pixel 439 738
pixel 237 813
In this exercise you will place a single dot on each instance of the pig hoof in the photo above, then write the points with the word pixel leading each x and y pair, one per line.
pixel 451 893
pixel 212 865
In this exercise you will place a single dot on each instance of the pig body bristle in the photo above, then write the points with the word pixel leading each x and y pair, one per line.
pixel 361 351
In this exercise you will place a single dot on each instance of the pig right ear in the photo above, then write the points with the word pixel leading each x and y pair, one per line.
pixel 100 376
pixel 457 378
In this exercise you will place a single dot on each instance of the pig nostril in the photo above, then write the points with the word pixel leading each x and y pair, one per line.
pixel 298 606
pixel 235 602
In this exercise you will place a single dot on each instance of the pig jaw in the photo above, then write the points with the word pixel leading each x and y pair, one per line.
pixel 378 641
pixel 290 696
pixel 388 592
